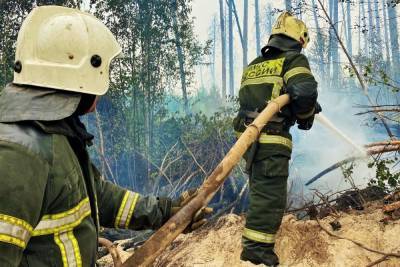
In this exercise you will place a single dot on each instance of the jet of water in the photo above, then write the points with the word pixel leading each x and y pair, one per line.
pixel 321 118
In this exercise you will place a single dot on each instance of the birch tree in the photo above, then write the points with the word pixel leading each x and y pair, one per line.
pixel 231 63
pixel 394 42
pixel 245 31
pixel 257 22
pixel 223 45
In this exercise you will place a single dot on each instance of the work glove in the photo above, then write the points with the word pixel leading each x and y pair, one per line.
pixel 199 218
pixel 307 123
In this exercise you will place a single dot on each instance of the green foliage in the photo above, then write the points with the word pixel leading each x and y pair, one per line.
pixel 348 170
pixel 385 178
pixel 377 75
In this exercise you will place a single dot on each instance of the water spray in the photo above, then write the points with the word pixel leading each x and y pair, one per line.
pixel 362 152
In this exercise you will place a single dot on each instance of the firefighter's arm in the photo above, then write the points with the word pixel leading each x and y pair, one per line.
pixel 23 177
pixel 302 88
pixel 121 208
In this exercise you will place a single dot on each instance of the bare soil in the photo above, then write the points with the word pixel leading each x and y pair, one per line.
pixel 299 243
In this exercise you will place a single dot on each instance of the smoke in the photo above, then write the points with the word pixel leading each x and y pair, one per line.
pixel 319 148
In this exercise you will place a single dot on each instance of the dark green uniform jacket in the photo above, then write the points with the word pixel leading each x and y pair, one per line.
pixel 280 69
pixel 52 199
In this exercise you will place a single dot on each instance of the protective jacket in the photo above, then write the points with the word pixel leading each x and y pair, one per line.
pixel 280 69
pixel 52 198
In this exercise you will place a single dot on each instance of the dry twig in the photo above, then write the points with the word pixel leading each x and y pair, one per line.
pixel 379 110
pixel 386 254
pixel 194 158
pixel 382 259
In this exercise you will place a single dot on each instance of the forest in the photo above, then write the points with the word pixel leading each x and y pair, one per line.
pixel 160 130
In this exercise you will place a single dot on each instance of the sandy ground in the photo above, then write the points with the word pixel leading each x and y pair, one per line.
pixel 299 243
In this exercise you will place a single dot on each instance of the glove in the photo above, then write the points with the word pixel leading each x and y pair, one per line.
pixel 307 123
pixel 199 218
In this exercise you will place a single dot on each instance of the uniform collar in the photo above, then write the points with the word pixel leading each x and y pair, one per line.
pixel 70 127
pixel 30 103
pixel 282 43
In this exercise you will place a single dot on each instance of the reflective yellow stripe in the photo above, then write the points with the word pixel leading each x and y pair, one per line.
pixel 121 209
pixel 16 221
pixel 126 209
pixel 12 240
pixel 295 71
pixel 261 80
pixel 128 220
pixel 14 231
pixel 272 139
pixel 258 236
pixel 75 246
pixel 64 221
pixel 69 249
pixel 62 249
pixel 276 90
pixel 275 139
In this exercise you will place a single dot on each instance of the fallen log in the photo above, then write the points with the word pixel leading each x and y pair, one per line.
pixel 372 149
pixel 391 207
pixel 383 143
pixel 157 243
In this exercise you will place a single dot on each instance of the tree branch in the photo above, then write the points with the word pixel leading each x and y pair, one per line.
pixel 360 79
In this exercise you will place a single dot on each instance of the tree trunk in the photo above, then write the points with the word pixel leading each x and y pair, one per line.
pixel 231 63
pixel 394 42
pixel 330 43
pixel 223 46
pixel 371 32
pixel 345 32
pixel 359 32
pixel 349 27
pixel 269 16
pixel 245 30
pixel 364 27
pixel 214 52
pixel 101 145
pixel 335 47
pixel 378 26
pixel 386 35
pixel 181 56
pixel 320 40
pixel 257 21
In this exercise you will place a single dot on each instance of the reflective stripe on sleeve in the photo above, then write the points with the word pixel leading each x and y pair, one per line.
pixel 69 248
pixel 261 80
pixel 272 139
pixel 296 71
pixel 258 236
pixel 14 231
pixel 126 209
pixel 64 221
pixel 275 139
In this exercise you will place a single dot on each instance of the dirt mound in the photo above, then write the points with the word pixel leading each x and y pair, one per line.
pixel 299 243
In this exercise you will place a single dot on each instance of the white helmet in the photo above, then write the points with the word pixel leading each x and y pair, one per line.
pixel 65 49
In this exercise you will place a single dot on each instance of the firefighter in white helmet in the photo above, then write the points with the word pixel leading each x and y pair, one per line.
pixel 280 69
pixel 52 199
